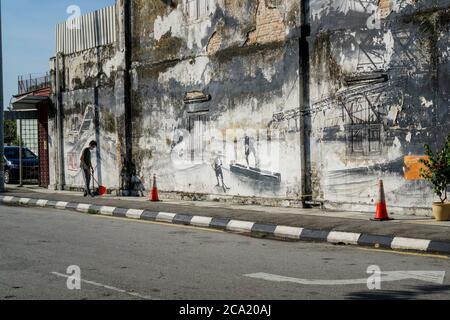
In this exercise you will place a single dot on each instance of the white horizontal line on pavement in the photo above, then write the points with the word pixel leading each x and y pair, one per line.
pixel 24 200
pixel 96 284
pixel 165 217
pixel 41 203
pixel 240 226
pixel 8 199
pixel 201 221
pixel 288 232
pixel 108 211
pixel 61 205
pixel 343 237
pixel 412 244
pixel 83 207
pixel 134 213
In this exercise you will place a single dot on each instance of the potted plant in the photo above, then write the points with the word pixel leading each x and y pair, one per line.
pixel 437 172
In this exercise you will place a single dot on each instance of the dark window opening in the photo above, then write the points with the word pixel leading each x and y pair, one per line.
pixel 198 130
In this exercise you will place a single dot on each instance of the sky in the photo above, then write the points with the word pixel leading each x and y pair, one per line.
pixel 29 35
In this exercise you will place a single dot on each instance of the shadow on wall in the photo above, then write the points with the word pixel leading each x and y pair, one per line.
pixel 137 184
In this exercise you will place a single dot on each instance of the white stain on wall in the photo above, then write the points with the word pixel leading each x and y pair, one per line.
pixel 170 23
pixel 426 103
pixel 189 72
pixel 189 23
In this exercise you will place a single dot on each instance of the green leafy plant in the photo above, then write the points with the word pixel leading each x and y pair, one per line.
pixel 10 132
pixel 438 169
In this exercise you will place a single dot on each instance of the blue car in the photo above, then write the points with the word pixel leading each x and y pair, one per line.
pixel 30 165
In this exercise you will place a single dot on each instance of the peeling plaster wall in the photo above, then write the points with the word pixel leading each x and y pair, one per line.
pixel 375 95
pixel 379 74
pixel 52 142
pixel 216 98
pixel 91 91
pixel 242 59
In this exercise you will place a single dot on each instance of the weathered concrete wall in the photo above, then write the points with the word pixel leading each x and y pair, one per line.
pixel 93 98
pixel 51 128
pixel 91 87
pixel 201 85
pixel 379 74
pixel 221 85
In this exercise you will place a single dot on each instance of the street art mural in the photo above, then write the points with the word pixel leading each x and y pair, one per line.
pixel 233 99
pixel 254 172
pixel 210 134
pixel 381 100
pixel 218 169
pixel 366 62
pixel 237 159
pixel 80 132
pixel 85 122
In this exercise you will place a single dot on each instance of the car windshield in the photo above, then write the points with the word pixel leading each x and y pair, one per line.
pixel 13 153
pixel 27 154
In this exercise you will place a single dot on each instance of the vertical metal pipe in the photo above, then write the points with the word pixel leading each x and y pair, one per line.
pixel 98 85
pixel 2 170
pixel 57 89
pixel 59 126
pixel 305 119
pixel 20 153
pixel 127 88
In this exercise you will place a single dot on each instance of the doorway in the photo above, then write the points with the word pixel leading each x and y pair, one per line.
pixel 31 165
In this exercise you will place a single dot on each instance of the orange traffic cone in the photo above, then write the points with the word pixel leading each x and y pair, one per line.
pixel 382 213
pixel 154 197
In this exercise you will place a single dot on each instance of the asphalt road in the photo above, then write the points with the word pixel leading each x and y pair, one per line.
pixel 122 259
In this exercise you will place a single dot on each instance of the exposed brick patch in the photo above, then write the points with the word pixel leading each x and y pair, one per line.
pixel 384 7
pixel 214 43
pixel 269 25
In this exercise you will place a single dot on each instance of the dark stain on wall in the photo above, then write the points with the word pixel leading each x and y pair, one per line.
pixel 323 55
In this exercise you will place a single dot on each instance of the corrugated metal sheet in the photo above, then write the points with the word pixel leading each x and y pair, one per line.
pixel 95 29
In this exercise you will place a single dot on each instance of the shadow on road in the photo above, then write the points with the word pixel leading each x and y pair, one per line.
pixel 417 292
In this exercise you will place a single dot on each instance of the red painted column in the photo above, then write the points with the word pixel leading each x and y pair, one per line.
pixel 44 176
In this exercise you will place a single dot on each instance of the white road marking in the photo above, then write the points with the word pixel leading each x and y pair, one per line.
pixel 8 199
pixel 426 276
pixel 134 214
pixel 201 221
pixel 411 244
pixel 288 232
pixel 61 205
pixel 96 284
pixel 24 200
pixel 107 211
pixel 165 217
pixel 83 207
pixel 41 203
pixel 240 226
pixel 343 237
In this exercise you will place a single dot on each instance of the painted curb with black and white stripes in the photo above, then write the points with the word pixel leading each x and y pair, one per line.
pixel 244 227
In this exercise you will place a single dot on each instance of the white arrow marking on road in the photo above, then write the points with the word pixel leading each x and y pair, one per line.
pixel 426 276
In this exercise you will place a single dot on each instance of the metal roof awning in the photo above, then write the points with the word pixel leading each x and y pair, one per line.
pixel 28 103
pixel 17 115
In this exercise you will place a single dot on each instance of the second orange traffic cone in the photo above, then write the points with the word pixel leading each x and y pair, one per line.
pixel 154 196
pixel 382 212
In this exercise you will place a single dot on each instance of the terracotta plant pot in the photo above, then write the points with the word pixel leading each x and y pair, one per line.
pixel 441 211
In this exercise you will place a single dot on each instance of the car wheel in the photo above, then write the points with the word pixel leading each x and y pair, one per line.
pixel 7 177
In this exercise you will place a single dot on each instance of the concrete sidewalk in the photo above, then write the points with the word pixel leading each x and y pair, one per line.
pixel 298 224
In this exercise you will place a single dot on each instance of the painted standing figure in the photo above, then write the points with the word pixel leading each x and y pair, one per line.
pixel 217 166
pixel 87 168
pixel 249 149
